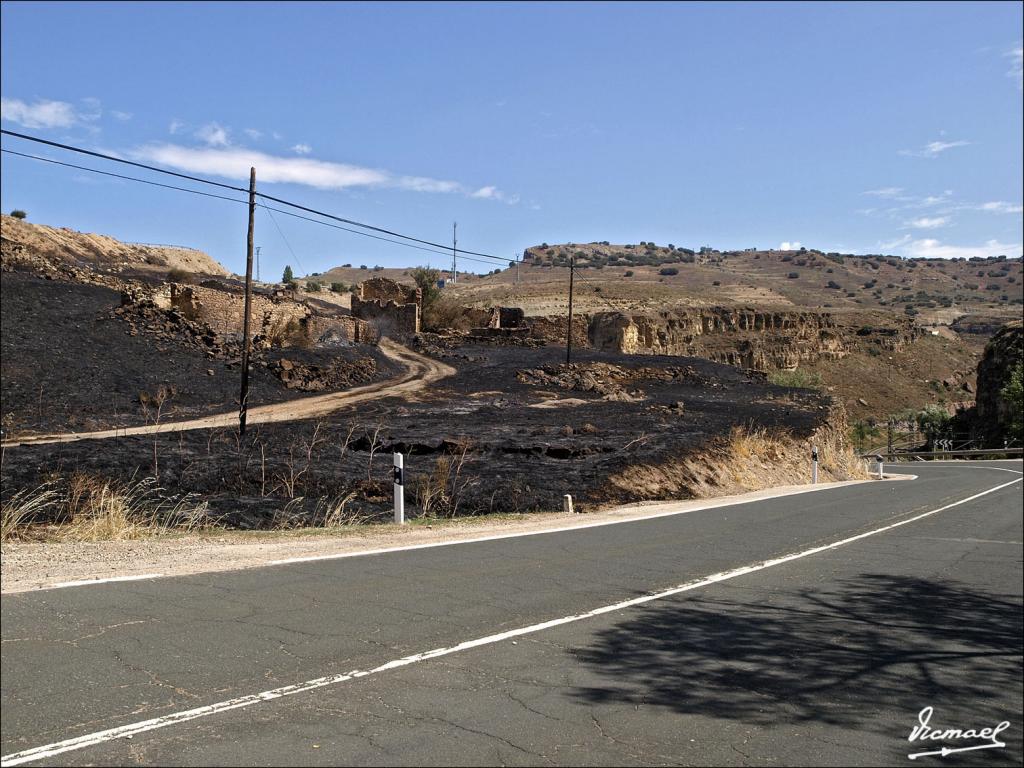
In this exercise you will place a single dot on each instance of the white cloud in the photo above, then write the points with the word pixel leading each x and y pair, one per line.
pixel 223 158
pixel 487 193
pixel 1016 72
pixel 422 184
pixel 91 109
pixel 931 200
pixel 929 222
pixel 234 163
pixel 933 148
pixel 1001 207
pixel 41 114
pixel 788 246
pixel 214 135
pixel 884 191
pixel 122 116
pixel 933 249
pixel 493 193
pixel 253 134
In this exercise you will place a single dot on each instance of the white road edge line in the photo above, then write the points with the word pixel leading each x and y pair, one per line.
pixel 725 502
pixel 124 731
pixel 87 582
pixel 583 526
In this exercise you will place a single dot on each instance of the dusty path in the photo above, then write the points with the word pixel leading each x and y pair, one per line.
pixel 420 371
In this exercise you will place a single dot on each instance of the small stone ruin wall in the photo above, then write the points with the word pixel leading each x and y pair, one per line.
pixel 390 307
pixel 275 321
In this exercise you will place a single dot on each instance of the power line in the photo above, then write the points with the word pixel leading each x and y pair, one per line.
pixel 234 200
pixel 201 180
pixel 119 160
pixel 597 291
pixel 281 233
pixel 122 176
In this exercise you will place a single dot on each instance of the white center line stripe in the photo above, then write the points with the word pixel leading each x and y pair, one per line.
pixel 99 737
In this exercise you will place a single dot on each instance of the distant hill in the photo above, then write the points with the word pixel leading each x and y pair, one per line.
pixel 930 290
pixel 106 253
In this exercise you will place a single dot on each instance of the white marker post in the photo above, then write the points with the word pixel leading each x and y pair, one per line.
pixel 814 465
pixel 881 471
pixel 399 489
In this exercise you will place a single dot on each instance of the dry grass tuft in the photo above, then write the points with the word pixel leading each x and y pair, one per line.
pixel 440 493
pixel 328 512
pixel 90 508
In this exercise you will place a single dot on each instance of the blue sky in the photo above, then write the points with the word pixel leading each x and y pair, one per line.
pixel 866 127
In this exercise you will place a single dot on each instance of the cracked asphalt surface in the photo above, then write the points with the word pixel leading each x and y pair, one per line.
pixel 826 660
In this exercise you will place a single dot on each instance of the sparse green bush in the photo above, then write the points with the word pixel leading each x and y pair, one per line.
pixel 17 213
pixel 313 287
pixel 338 288
pixel 668 271
pixel 426 280
pixel 287 276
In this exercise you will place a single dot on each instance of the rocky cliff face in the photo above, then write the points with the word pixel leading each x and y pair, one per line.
pixel 1002 354
pixel 748 338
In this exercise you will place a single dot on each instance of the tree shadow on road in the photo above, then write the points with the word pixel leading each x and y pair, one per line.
pixel 836 655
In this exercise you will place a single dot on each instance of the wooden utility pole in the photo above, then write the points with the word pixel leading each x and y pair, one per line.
pixel 568 337
pixel 244 396
pixel 455 274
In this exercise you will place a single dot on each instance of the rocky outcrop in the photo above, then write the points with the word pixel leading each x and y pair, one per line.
pixel 993 414
pixel 763 340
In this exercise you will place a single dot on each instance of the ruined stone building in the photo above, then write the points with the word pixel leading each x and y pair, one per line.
pixel 392 307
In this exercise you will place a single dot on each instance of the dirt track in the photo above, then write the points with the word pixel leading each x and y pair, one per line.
pixel 420 372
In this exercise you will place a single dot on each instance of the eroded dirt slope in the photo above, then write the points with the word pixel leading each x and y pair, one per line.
pixel 104 252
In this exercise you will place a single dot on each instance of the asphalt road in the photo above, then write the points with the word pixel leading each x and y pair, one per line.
pixel 825 658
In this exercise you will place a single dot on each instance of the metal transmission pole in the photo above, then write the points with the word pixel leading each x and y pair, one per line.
pixel 517 257
pixel 258 263
pixel 244 396
pixel 568 337
pixel 455 274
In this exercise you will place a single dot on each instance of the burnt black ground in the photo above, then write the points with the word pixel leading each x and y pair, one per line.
pixel 66 364
pixel 517 458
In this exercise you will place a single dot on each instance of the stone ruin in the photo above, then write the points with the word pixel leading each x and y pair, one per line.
pixel 394 309
pixel 277 321
pixel 502 322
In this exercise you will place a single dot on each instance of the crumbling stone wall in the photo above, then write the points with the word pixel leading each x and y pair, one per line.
pixel 392 308
pixel 275 320
pixel 506 317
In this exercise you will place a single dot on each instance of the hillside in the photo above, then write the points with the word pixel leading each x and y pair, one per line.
pixel 632 277
pixel 62 245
